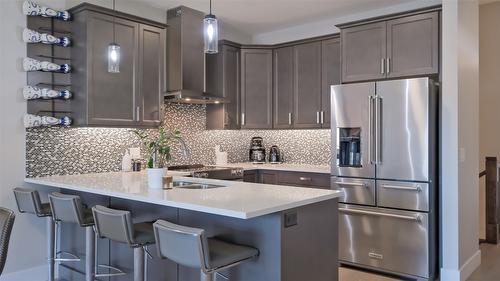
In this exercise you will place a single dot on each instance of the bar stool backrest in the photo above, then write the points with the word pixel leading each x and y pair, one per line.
pixel 66 208
pixel 184 245
pixel 6 223
pixel 28 201
pixel 114 224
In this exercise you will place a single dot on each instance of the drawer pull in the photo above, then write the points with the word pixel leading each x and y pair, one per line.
pixel 305 179
pixel 416 188
pixel 415 218
pixel 351 184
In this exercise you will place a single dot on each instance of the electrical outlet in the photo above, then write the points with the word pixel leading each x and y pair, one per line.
pixel 290 219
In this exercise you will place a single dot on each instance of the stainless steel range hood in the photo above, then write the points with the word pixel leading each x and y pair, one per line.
pixel 186 58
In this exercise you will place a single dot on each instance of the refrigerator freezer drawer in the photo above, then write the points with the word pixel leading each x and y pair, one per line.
pixel 392 240
pixel 356 191
pixel 403 195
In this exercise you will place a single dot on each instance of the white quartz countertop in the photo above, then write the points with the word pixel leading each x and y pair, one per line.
pixel 235 199
pixel 282 167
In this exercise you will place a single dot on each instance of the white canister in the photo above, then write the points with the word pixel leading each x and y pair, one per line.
pixel 155 177
pixel 221 158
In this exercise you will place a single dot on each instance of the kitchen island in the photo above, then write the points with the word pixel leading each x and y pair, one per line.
pixel 295 229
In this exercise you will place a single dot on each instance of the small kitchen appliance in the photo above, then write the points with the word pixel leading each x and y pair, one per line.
pixel 257 151
pixel 275 156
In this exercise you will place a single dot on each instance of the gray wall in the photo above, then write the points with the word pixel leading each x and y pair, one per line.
pixel 83 150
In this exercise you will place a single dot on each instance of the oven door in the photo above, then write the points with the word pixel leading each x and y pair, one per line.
pixel 386 239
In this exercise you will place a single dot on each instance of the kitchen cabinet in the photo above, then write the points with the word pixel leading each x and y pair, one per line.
pixel 299 179
pixel 402 46
pixel 330 75
pixel 130 98
pixel 283 87
pixel 223 80
pixel 307 85
pixel 256 88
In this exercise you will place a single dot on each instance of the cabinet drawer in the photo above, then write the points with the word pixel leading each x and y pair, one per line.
pixel 392 240
pixel 403 195
pixel 304 179
pixel 356 191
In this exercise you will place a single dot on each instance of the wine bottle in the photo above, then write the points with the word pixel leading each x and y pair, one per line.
pixel 30 64
pixel 32 121
pixel 34 9
pixel 31 36
pixel 33 93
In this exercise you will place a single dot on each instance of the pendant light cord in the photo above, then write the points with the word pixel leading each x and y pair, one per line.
pixel 210 6
pixel 114 17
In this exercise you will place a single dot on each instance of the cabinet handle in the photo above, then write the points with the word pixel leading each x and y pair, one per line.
pixel 322 117
pixel 382 66
pixel 317 117
pixel 243 119
pixel 289 118
pixel 137 113
pixel 388 65
pixel 305 179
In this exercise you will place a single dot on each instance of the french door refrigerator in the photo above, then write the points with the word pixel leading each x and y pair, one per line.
pixel 384 159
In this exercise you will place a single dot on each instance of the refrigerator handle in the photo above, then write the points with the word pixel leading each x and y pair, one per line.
pixel 370 129
pixel 378 130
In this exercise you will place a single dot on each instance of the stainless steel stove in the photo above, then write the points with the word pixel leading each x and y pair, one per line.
pixel 210 172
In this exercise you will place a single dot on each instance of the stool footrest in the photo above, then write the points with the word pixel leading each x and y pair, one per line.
pixel 71 257
pixel 118 272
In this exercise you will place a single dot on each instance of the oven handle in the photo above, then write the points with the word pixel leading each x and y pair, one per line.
pixel 415 218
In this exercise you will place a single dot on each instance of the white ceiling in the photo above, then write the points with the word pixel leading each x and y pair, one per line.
pixel 261 16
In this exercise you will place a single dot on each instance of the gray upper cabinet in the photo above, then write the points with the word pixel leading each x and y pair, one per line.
pixel 402 46
pixel 413 45
pixel 363 52
pixel 307 85
pixel 223 80
pixel 283 87
pixel 130 98
pixel 256 88
pixel 330 75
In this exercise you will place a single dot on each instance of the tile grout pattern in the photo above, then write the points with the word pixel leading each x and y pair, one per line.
pixel 60 151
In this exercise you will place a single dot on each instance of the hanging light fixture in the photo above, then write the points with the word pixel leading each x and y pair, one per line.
pixel 211 33
pixel 114 49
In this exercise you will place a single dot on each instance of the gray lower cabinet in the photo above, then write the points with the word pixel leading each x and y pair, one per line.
pixel 223 80
pixel 256 88
pixel 330 75
pixel 130 98
pixel 283 87
pixel 404 46
pixel 307 85
pixel 299 179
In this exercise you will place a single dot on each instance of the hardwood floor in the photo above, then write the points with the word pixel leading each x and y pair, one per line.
pixel 489 270
pixel 348 274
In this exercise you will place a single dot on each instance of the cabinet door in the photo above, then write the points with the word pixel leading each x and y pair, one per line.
pixel 413 45
pixel 112 97
pixel 363 52
pixel 330 75
pixel 231 86
pixel 283 87
pixel 268 177
pixel 251 176
pixel 307 85
pixel 256 88
pixel 152 63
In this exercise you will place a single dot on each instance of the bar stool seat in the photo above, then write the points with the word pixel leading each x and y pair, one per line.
pixel 144 234
pixel 190 247
pixel 222 253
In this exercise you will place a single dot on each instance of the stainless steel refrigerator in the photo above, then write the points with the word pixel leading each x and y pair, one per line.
pixel 384 137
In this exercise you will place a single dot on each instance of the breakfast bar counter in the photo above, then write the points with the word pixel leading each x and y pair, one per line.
pixel 295 229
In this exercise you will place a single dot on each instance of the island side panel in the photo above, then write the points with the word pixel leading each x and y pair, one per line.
pixel 309 248
pixel 262 232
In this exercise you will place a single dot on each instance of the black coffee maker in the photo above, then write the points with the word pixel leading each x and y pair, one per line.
pixel 257 151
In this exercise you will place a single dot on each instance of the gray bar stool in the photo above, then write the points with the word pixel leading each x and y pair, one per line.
pixel 7 218
pixel 69 209
pixel 190 247
pixel 28 201
pixel 117 225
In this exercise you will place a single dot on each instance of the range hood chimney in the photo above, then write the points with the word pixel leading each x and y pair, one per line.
pixel 186 58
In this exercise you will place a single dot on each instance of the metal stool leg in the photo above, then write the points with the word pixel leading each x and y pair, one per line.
pixel 139 264
pixel 51 248
pixel 115 271
pixel 207 276
pixel 89 253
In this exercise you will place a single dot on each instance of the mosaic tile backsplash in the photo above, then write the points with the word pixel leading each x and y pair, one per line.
pixel 60 151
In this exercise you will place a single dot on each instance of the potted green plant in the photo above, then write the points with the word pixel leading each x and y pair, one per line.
pixel 159 153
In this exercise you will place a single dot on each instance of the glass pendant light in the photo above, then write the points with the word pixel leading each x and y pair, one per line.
pixel 211 33
pixel 114 50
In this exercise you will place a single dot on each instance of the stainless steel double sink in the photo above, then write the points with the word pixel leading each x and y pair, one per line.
pixel 193 185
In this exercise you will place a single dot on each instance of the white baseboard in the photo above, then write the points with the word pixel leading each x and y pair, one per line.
pixel 33 273
pixel 465 270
